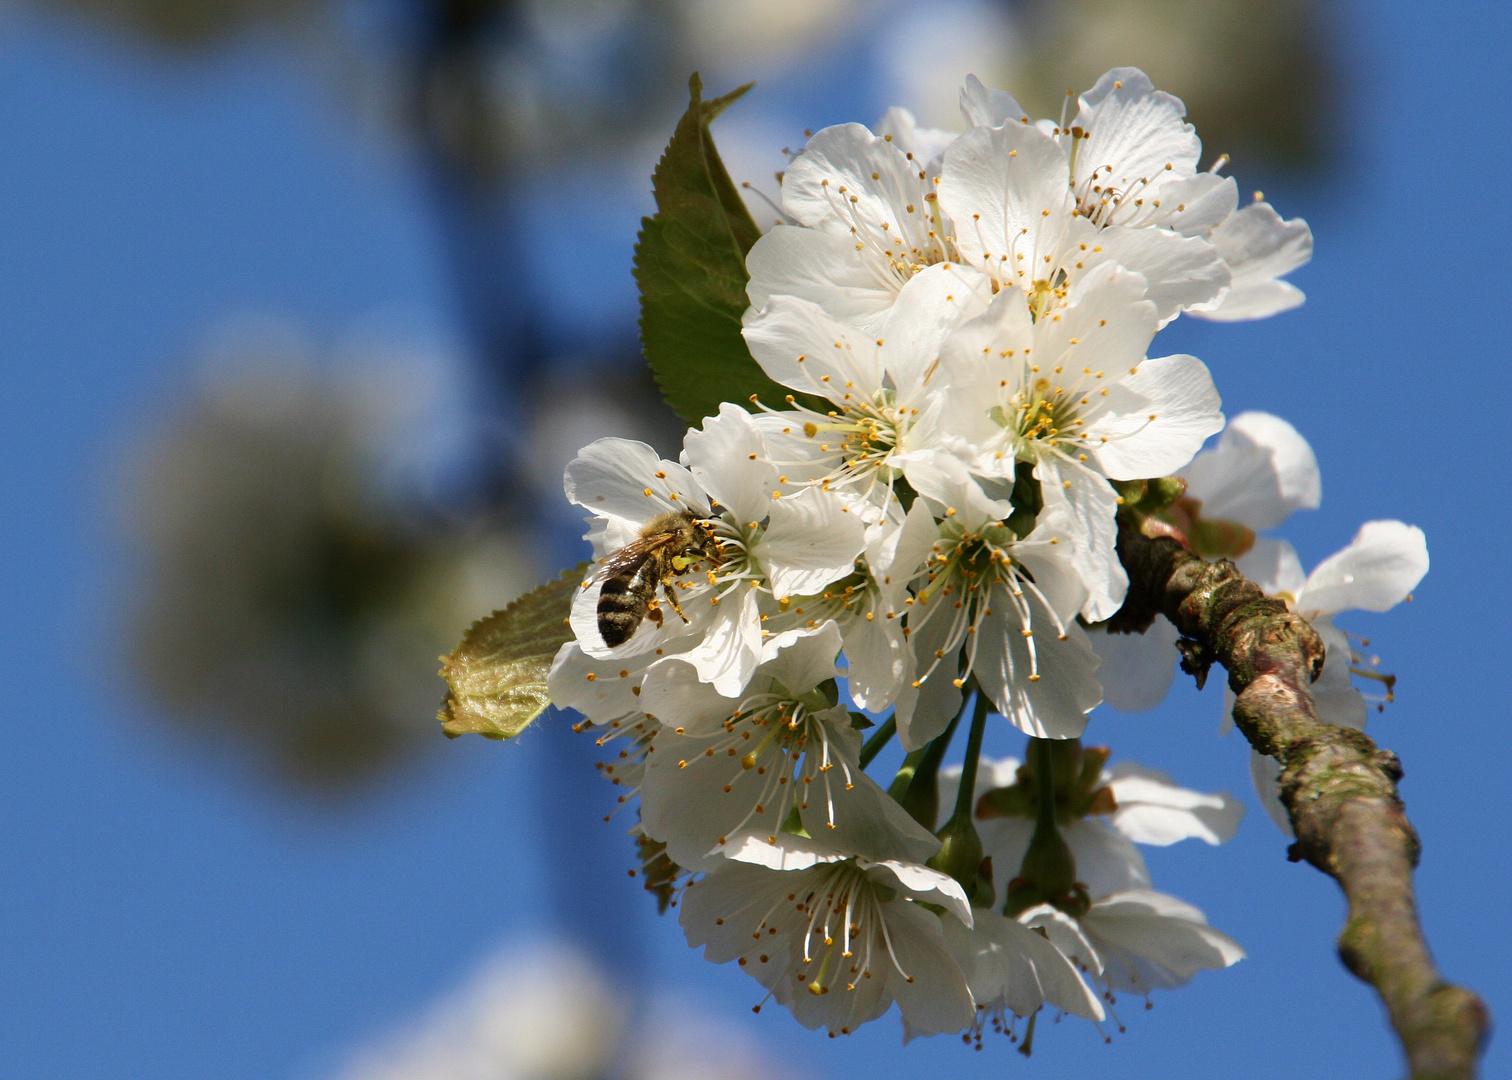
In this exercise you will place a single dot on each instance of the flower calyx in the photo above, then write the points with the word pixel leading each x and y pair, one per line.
pixel 1077 788
pixel 1209 538
pixel 961 857
pixel 1048 873
pixel 1146 497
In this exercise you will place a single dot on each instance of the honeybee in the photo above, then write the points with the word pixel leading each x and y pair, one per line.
pixel 668 545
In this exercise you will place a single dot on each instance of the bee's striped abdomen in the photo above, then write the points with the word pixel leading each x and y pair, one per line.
pixel 623 601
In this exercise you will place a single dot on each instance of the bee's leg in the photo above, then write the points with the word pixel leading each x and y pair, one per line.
pixel 672 599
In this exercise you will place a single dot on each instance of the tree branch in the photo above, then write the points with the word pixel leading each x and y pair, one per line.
pixel 1338 787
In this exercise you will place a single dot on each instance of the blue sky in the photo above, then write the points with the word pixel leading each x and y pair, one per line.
pixel 163 915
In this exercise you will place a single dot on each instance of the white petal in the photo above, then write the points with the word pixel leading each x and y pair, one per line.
pixel 1005 839
pixel 936 1001
pixel 899 557
pixel 945 481
pixel 925 144
pixel 812 539
pixel 1182 271
pixel 731 647
pixel 1259 473
pixel 721 910
pixel 874 650
pixel 1136 134
pixel 1137 669
pixel 1005 325
pixel 921 883
pixel 1172 939
pixel 1106 324
pixel 1065 933
pixel 684 804
pixel 1334 694
pixel 618 477
pixel 1184 409
pixel 1273 565
pixel 870 823
pixel 1195 205
pixel 1379 568
pixel 803 659
pixel 1058 579
pixel 997 182
pixel 875 647
pixel 989 108
pixel 925 710
pixel 820 267
pixel 675 695
pixel 1256 301
pixel 1154 810
pixel 602 697
pixel 728 457
pixel 1008 964
pixel 1088 507
pixel 935 301
pixel 851 182
pixel 1056 703
pixel 785 851
pixel 1106 860
pixel 801 345
pixel 1258 247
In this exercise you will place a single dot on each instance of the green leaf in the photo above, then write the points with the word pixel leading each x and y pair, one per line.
pixel 690 266
pixel 496 677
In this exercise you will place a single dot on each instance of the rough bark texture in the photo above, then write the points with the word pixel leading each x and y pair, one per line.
pixel 1339 788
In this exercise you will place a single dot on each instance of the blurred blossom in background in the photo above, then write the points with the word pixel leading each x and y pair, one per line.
pixel 249 852
pixel 294 581
pixel 547 1012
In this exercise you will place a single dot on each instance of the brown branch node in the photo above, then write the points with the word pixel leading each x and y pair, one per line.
pixel 1338 787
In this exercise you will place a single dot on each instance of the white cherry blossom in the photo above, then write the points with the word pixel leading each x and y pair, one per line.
pixel 1153 809
pixel 867 220
pixel 1137 940
pixel 724 771
pixel 1072 393
pixel 1006 607
pixel 1035 211
pixel 1260 472
pixel 770 547
pixel 1259 248
pixel 1144 807
pixel 868 605
pixel 835 939
pixel 925 144
pixel 881 384
pixel 1012 969
pixel 1132 161
pixel 1136 670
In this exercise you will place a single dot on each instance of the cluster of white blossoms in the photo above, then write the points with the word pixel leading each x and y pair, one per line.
pixel 964 322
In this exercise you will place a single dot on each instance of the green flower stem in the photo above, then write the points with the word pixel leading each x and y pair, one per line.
pixel 917 785
pixel 1043 754
pixel 879 738
pixel 966 795
pixel 1048 874
pixel 960 853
